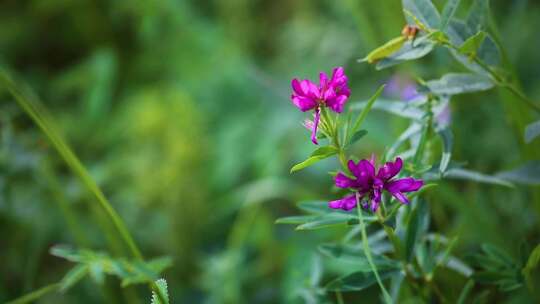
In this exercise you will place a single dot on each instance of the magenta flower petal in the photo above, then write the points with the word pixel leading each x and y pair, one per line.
pixel 315 126
pixel 297 88
pixel 337 103
pixel 347 203
pixel 338 77
pixel 342 181
pixel 407 184
pixel 323 81
pixel 366 168
pixel 311 89
pixel 303 103
pixel 390 169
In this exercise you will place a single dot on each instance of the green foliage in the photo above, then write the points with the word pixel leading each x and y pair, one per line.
pixel 497 268
pixel 320 216
pixel 454 83
pixel 161 285
pixel 98 264
pixel 471 46
pixel 532 131
pixel 424 11
pixel 317 155
pixel 448 13
pixel 357 281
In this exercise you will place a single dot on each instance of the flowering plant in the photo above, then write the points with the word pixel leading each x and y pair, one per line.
pixel 403 249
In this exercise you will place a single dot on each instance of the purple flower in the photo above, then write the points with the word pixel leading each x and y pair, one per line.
pixel 402 88
pixel 369 184
pixel 332 93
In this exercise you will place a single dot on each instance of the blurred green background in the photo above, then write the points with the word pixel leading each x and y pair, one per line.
pixel 181 112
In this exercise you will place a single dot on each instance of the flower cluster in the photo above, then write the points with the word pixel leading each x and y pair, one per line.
pixel 365 180
pixel 368 184
pixel 331 92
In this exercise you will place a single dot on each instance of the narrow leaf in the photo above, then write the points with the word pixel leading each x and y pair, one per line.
pixel 73 276
pixel 532 131
pixel 448 140
pixel 449 10
pixel 295 220
pixel 411 50
pixel 424 11
pixel 459 173
pixel 385 50
pixel 318 155
pixel 326 220
pixel 357 136
pixel 398 108
pixel 357 256
pixel 465 292
pixel 365 110
pixel 358 281
pixel 472 45
pixel 478 15
pixel 527 174
pixel 459 83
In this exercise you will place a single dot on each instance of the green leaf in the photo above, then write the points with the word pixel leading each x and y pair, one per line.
pixel 318 155
pixel 489 52
pixel 398 108
pixel 448 141
pixel 358 280
pixel 385 50
pixel 471 46
pixel 527 174
pixel 358 257
pixel 66 252
pixel 365 110
pixel 357 136
pixel 295 220
pixel 326 220
pixel 459 83
pixel 465 292
pixel 531 271
pixel 317 207
pixel 416 228
pixel 532 131
pixel 448 13
pixel 160 295
pixel 424 11
pixel 72 277
pixel 478 15
pixel 411 50
pixel 464 174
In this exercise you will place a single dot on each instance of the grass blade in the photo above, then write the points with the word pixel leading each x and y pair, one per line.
pixel 365 111
pixel 29 103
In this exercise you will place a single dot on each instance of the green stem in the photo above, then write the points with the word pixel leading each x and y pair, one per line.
pixel 34 295
pixel 367 251
pixel 339 297
pixel 499 80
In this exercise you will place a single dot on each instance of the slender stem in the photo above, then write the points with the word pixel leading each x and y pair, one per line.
pixel 339 297
pixel 34 295
pixel 367 252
